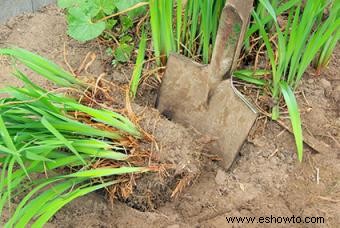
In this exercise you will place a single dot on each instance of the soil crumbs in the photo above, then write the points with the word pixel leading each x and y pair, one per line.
pixel 266 179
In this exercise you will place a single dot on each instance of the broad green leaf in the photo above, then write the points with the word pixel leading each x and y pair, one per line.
pixel 111 23
pixel 126 23
pixel 125 4
pixel 123 53
pixel 81 27
pixel 126 39
pixel 70 3
pixel 107 6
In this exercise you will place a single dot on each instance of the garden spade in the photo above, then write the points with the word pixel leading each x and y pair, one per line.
pixel 203 96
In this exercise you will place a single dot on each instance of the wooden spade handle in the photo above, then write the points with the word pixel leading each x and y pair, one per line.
pixel 232 27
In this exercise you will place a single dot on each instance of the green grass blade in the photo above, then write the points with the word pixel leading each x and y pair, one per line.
pixel 110 118
pixel 57 204
pixel 283 8
pixel 194 24
pixel 9 179
pixel 34 206
pixel 6 137
pixel 4 150
pixel 59 136
pixel 10 145
pixel 251 77
pixel 39 63
pixel 327 50
pixel 179 23
pixel 136 75
pixel 318 39
pixel 294 117
pixel 270 52
pixel 269 8
pixel 3 196
pixel 100 153
pixel 206 9
pixel 103 172
pixel 155 29
pixel 18 211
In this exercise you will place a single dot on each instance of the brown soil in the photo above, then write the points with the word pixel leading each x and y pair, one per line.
pixel 265 180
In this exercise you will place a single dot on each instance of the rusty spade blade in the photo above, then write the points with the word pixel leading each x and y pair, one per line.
pixel 199 96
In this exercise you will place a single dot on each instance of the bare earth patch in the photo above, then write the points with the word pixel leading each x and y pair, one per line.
pixel 265 180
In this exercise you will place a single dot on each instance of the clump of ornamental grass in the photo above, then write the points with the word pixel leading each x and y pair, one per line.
pixel 279 7
pixel 298 43
pixel 325 54
pixel 190 31
pixel 53 136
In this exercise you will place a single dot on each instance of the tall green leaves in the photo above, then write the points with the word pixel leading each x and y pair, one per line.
pixel 196 28
pixel 206 28
pixel 161 12
pixel 279 7
pixel 136 75
pixel 294 114
pixel 179 23
pixel 327 49
pixel 42 66
pixel 326 52
pixel 298 43
pixel 40 135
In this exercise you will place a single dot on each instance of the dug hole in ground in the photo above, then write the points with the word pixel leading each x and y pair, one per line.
pixel 265 180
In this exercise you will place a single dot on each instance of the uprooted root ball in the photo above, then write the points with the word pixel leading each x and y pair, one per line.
pixel 177 149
